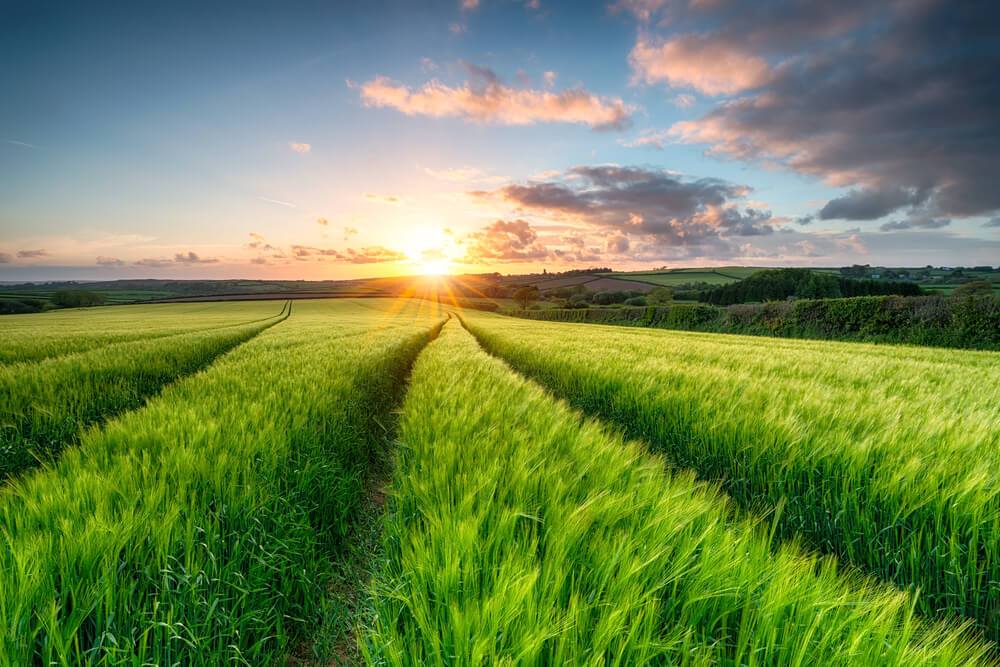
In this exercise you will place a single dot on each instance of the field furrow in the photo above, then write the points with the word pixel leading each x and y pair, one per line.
pixel 198 529
pixel 46 406
pixel 887 457
pixel 25 338
pixel 517 534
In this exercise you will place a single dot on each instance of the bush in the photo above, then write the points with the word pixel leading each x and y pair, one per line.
pixel 608 297
pixel 974 288
pixel 19 306
pixel 970 322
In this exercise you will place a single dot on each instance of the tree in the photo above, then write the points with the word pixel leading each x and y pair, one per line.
pixel 661 296
pixel 524 296
pixel 974 288
pixel 70 298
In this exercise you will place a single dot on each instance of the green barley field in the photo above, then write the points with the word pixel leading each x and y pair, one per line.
pixel 400 482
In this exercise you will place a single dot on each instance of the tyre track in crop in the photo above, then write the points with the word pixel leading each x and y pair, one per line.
pixel 348 600
pixel 521 532
pixel 46 418
pixel 104 344
pixel 782 512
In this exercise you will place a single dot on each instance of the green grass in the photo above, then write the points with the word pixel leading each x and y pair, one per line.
pixel 43 335
pixel 45 406
pixel 222 507
pixel 518 535
pixel 198 529
pixel 948 289
pixel 888 457
pixel 678 277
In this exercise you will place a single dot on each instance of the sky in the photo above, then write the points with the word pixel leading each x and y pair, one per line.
pixel 331 140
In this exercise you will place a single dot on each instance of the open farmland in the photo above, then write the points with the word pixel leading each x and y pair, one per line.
pixel 884 456
pixel 31 337
pixel 209 473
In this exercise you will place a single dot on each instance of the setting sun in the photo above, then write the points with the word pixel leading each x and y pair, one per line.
pixel 438 267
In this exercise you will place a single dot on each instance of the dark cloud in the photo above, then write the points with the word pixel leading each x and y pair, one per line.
pixel 870 204
pixel 109 261
pixel 504 241
pixel 916 222
pixel 805 219
pixel 5 258
pixel 193 258
pixel 897 100
pixel 994 222
pixel 31 254
pixel 666 208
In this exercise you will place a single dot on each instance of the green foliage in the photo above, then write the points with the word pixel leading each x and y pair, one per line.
pixel 19 306
pixel 524 296
pixel 884 456
pixel 77 298
pixel 61 332
pixel 974 288
pixel 517 534
pixel 197 530
pixel 933 320
pixel 660 296
pixel 779 284
pixel 45 406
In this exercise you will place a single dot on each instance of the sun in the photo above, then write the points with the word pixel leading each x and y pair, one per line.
pixel 435 267
pixel 429 251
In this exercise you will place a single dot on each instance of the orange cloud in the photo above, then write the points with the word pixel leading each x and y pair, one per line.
pixel 302 148
pixel 493 102
pixel 709 65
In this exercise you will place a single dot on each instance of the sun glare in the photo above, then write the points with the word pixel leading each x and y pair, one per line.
pixel 437 267
pixel 429 251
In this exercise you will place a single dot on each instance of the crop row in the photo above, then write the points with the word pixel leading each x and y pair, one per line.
pixel 887 457
pixel 36 337
pixel 197 530
pixel 45 406
pixel 517 534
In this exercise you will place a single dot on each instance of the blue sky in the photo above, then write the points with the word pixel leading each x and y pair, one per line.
pixel 335 140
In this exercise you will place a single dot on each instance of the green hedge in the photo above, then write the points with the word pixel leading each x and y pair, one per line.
pixel 967 322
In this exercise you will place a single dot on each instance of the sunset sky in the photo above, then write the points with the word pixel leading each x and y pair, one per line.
pixel 323 140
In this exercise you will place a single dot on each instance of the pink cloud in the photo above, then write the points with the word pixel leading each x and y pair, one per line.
pixel 709 65
pixel 493 102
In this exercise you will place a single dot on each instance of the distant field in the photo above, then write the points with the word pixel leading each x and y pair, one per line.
pixel 680 277
pixel 593 281
pixel 948 289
